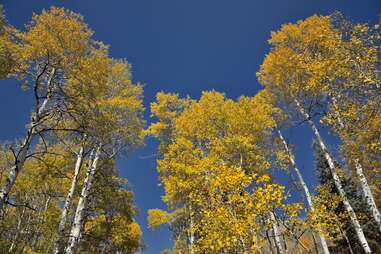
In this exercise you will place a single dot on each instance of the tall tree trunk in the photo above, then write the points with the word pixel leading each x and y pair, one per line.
pixel 285 244
pixel 307 193
pixel 69 198
pixel 277 234
pixel 77 226
pixel 191 236
pixel 336 179
pixel 315 243
pixel 22 153
pixel 368 194
pixel 17 233
pixel 16 168
pixel 363 181
pixel 271 249
pixel 347 240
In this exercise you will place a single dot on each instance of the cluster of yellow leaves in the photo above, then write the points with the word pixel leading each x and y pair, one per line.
pixel 157 217
pixel 304 58
pixel 325 218
pixel 216 157
pixel 166 109
pixel 8 47
pixel 57 34
pixel 119 230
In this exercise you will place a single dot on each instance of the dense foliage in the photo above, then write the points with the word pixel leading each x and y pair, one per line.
pixel 219 160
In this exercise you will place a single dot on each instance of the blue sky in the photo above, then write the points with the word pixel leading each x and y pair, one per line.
pixel 184 47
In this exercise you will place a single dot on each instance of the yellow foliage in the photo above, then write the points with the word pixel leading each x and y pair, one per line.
pixel 216 157
pixel 157 217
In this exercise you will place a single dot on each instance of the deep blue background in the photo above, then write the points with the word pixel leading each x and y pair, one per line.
pixel 184 47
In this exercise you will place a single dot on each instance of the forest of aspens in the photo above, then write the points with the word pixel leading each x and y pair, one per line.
pixel 218 159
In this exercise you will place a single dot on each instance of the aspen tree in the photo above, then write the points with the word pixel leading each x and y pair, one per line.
pixel 296 69
pixel 118 106
pixel 209 164
pixel 353 113
pixel 31 216
pixel 49 51
pixel 110 224
pixel 84 100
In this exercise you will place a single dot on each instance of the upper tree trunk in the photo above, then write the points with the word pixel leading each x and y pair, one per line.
pixel 77 226
pixel 323 241
pixel 69 198
pixel 336 179
pixel 22 153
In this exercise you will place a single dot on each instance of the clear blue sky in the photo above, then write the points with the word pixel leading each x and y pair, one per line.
pixel 184 47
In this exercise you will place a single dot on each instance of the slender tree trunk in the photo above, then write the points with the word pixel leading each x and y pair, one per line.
pixel 336 179
pixel 69 198
pixel 76 229
pixel 17 233
pixel 323 241
pixel 191 237
pixel 347 241
pixel 271 249
pixel 363 181
pixel 368 194
pixel 14 171
pixel 315 243
pixel 285 243
pixel 277 234
pixel 257 243
pixel 22 153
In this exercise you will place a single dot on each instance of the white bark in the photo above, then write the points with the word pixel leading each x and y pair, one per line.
pixel 307 193
pixel 363 181
pixel 22 153
pixel 336 179
pixel 69 198
pixel 277 240
pixel 368 194
pixel 77 226
pixel 17 233
pixel 191 237
pixel 14 171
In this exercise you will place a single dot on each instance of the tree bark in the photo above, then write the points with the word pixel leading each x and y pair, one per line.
pixel 191 237
pixel 76 229
pixel 22 153
pixel 336 179
pixel 277 240
pixel 363 181
pixel 368 194
pixel 17 233
pixel 323 241
pixel 69 198
pixel 14 171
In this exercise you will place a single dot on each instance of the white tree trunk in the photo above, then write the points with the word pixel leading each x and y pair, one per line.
pixel 277 240
pixel 323 241
pixel 191 237
pixel 336 179
pixel 363 181
pixel 77 226
pixel 368 194
pixel 69 198
pixel 17 233
pixel 22 153
pixel 16 168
